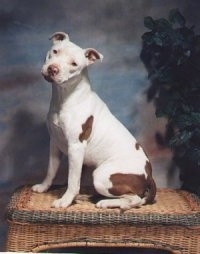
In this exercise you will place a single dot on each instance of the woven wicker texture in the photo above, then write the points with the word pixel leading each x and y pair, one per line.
pixel 171 207
pixel 172 223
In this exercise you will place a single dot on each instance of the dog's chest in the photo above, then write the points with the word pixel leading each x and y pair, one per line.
pixel 58 130
pixel 65 126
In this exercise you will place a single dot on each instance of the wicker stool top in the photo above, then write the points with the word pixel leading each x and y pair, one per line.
pixel 172 207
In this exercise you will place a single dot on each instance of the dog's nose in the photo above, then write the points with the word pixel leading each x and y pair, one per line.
pixel 53 70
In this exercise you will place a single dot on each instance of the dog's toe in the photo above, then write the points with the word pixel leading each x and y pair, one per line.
pixel 40 188
pixel 102 204
pixel 60 203
pixel 56 203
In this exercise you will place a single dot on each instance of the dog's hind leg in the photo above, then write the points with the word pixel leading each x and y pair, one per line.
pixel 125 202
pixel 125 190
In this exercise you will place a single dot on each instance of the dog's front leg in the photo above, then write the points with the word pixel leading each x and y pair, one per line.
pixel 54 162
pixel 75 159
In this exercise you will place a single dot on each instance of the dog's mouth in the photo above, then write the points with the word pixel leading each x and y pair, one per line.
pixel 53 79
pixel 48 78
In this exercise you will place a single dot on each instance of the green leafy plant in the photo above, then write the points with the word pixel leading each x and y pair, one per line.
pixel 171 54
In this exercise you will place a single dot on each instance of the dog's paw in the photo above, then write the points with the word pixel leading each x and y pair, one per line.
pixel 114 203
pixel 40 188
pixel 125 205
pixel 103 204
pixel 61 203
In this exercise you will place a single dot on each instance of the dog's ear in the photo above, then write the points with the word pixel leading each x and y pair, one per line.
pixel 92 55
pixel 58 37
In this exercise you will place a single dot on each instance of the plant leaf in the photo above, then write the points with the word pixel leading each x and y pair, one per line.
pixel 149 23
pixel 148 38
pixel 176 17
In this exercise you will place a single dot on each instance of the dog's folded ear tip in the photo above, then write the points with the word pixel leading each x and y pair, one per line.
pixel 92 55
pixel 59 36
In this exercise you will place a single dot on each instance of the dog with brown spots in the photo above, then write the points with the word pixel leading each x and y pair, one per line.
pixel 82 127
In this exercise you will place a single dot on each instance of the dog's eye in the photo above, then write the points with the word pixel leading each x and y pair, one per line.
pixel 55 51
pixel 74 64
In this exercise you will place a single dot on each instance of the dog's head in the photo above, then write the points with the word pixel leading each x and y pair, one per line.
pixel 65 60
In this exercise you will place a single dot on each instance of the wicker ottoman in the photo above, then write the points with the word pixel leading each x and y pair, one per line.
pixel 172 223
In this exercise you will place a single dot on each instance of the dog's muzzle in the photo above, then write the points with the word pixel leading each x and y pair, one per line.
pixel 51 72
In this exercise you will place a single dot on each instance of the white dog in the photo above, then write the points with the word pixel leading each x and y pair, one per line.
pixel 82 127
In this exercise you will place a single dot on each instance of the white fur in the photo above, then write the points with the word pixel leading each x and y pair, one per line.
pixel 125 202
pixel 110 147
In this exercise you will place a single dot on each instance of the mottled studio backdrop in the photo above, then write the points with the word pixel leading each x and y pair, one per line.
pixel 111 26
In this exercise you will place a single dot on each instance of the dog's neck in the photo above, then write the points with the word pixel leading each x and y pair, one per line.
pixel 71 92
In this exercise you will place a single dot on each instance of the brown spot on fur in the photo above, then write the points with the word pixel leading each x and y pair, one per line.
pixel 137 146
pixel 86 129
pixel 128 184
pixel 134 184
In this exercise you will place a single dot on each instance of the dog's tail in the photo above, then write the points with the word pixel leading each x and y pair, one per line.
pixel 150 191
